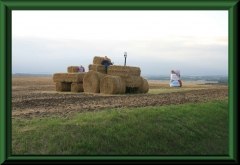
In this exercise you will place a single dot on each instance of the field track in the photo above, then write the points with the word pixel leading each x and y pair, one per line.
pixel 36 97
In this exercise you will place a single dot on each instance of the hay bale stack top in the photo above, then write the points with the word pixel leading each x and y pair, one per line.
pixel 72 69
pixel 124 71
pixel 99 60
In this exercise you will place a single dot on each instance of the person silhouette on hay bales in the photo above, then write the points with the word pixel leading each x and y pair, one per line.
pixel 81 69
pixel 106 63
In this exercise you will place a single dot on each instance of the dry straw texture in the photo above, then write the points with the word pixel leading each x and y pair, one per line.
pixel 75 77
pixel 91 81
pixel 124 71
pixel 133 81
pixel 72 69
pixel 97 67
pixel 145 87
pixel 62 86
pixel 69 77
pixel 58 77
pixel 99 60
pixel 112 85
pixel 77 87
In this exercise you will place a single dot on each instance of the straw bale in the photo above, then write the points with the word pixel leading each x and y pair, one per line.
pixel 74 77
pixel 58 77
pixel 124 71
pixel 133 81
pixel 63 86
pixel 145 87
pixel 72 69
pixel 99 60
pixel 112 85
pixel 97 67
pixel 69 77
pixel 91 81
pixel 77 87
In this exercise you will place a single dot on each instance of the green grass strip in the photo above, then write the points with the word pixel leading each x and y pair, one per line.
pixel 188 129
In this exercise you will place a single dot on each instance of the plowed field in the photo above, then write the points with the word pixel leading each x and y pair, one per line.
pixel 36 97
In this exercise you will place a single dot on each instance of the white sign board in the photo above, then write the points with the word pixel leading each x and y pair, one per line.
pixel 125 54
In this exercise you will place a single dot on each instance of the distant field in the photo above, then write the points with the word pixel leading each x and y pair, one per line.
pixel 36 96
pixel 183 81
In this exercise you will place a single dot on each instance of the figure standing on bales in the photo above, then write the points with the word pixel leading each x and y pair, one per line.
pixel 106 63
pixel 81 69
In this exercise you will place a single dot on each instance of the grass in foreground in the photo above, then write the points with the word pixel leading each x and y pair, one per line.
pixel 192 129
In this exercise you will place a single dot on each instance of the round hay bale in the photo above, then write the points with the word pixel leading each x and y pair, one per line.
pixel 112 85
pixel 77 87
pixel 145 87
pixel 91 81
pixel 99 60
pixel 124 71
pixel 63 86
pixel 133 81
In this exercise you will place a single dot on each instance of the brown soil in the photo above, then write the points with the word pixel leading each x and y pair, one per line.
pixel 36 97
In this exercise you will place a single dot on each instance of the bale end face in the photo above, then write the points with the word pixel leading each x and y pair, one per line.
pixel 112 85
pixel 99 60
pixel 145 87
pixel 58 77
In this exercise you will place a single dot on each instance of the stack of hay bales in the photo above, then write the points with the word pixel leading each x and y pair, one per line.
pixel 118 80
pixel 97 65
pixel 71 81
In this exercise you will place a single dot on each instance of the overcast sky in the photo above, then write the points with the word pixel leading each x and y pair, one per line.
pixel 194 42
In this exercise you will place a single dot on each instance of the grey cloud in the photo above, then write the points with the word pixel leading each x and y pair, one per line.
pixel 152 56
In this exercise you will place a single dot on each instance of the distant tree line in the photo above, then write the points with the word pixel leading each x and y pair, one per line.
pixel 220 79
